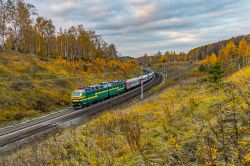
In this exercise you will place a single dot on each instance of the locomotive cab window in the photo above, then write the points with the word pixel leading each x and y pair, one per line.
pixel 78 94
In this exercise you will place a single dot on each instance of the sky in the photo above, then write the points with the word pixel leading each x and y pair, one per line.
pixel 146 26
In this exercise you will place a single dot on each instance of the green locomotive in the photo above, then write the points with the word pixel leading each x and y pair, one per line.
pixel 86 96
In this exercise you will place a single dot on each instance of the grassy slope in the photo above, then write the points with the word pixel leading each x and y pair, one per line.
pixel 171 129
pixel 30 86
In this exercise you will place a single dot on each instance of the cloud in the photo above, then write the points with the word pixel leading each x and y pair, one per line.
pixel 139 26
pixel 146 12
pixel 63 7
pixel 136 2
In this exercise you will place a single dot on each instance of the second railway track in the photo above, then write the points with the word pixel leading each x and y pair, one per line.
pixel 11 134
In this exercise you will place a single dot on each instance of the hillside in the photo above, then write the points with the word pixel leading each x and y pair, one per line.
pixel 203 51
pixel 233 54
pixel 31 85
pixel 191 123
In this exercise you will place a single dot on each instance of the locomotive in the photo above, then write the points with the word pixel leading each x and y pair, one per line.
pixel 86 96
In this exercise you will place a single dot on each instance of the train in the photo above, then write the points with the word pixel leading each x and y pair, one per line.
pixel 86 96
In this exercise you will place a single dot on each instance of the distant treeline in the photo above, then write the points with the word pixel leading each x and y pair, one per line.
pixel 20 33
pixel 159 57
pixel 232 53
pixel 200 53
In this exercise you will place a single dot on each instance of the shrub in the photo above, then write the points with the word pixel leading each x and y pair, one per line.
pixel 131 129
pixel 19 116
pixel 202 68
pixel 41 53
pixel 215 73
pixel 43 103
pixel 62 83
pixel 18 86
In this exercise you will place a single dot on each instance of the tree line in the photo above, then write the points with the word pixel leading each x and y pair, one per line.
pixel 159 57
pixel 235 51
pixel 231 54
pixel 23 30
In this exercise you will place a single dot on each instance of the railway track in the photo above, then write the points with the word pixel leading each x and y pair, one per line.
pixel 14 133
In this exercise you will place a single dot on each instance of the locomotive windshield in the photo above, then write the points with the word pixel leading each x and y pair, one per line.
pixel 77 93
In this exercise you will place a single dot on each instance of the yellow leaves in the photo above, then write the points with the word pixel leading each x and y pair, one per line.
pixel 5 71
pixel 243 48
pixel 57 70
pixel 244 143
pixel 214 153
pixel 99 64
pixel 242 75
pixel 173 141
pixel 144 108
pixel 20 66
pixel 163 59
pixel 230 49
pixel 81 138
pixel 207 154
pixel 246 159
pixel 210 60
pixel 248 50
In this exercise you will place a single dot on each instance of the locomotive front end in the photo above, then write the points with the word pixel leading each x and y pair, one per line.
pixel 77 99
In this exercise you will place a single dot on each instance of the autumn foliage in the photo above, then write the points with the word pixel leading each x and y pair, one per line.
pixel 20 33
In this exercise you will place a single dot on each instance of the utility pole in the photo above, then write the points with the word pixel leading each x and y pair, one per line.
pixel 165 71
pixel 104 72
pixel 141 88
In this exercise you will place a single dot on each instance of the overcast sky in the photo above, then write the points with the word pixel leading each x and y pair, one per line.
pixel 139 26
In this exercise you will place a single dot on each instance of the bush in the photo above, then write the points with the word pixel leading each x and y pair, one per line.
pixel 215 73
pixel 21 85
pixel 202 68
pixel 42 103
pixel 41 53
pixel 62 83
pixel 19 116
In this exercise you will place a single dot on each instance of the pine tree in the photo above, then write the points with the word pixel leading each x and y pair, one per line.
pixel 215 73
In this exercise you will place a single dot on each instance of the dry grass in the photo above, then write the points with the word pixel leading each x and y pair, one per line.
pixel 177 127
pixel 30 86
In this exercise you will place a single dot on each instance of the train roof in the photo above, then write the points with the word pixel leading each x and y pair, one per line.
pixel 133 79
pixel 93 86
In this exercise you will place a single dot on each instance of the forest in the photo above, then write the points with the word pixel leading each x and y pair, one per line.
pixel 200 53
pixel 23 30
pixel 232 55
